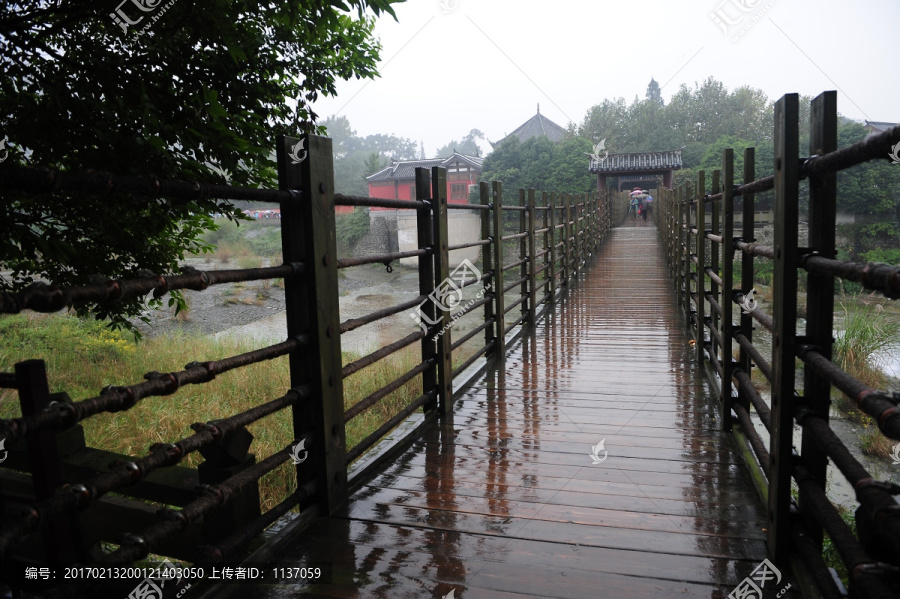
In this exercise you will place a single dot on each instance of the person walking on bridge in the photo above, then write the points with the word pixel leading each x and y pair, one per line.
pixel 633 208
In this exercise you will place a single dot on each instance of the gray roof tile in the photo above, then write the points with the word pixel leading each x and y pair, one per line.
pixel 406 169
pixel 535 127
pixel 637 161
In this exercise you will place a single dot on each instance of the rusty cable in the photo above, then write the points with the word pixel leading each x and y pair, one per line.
pixel 42 297
pixel 134 547
pixel 117 399
pixel 125 473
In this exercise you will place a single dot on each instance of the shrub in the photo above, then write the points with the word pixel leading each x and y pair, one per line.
pixel 351 227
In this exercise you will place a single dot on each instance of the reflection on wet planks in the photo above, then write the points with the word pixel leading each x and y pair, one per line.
pixel 505 499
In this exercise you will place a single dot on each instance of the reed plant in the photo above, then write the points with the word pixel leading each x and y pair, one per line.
pixel 865 332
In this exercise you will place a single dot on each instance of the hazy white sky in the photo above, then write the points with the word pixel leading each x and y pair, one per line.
pixel 449 66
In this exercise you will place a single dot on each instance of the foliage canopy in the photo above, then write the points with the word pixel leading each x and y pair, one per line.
pixel 190 91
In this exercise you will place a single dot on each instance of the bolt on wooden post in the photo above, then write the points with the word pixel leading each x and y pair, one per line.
pixel 726 329
pixel 499 299
pixel 714 251
pixel 746 326
pixel 551 208
pixel 532 298
pixel 487 263
pixel 700 332
pixel 784 343
pixel 523 257
pixel 819 292
pixel 424 231
pixel 441 275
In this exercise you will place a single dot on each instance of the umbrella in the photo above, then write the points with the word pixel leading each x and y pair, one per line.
pixel 636 192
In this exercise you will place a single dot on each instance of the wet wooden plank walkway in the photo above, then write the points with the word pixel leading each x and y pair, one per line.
pixel 504 500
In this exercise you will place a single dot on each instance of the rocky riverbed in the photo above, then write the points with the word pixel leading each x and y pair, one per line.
pixel 256 309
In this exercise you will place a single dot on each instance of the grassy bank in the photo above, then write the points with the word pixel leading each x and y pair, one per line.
pixel 84 356
pixel 865 330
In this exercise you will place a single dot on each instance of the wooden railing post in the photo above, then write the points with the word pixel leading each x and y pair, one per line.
pixel 551 208
pixel 747 235
pixel 546 239
pixel 784 350
pixel 60 539
pixel 700 333
pixel 567 234
pixel 727 325
pixel 524 293
pixel 579 230
pixel 688 262
pixel 487 262
pixel 593 231
pixel 424 232
pixel 682 229
pixel 819 292
pixel 585 228
pixel 532 258
pixel 441 276
pixel 499 299
pixel 311 302
pixel 715 291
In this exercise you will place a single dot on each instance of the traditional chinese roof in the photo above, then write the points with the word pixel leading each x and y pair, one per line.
pixel 637 161
pixel 406 169
pixel 535 127
pixel 473 161
pixel 879 126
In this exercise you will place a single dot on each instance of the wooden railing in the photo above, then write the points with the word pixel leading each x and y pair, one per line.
pixel 700 251
pixel 56 490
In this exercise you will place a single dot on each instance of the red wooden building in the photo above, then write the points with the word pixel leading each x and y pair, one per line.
pixel 398 181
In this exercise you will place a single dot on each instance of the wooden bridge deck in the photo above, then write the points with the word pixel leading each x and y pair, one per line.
pixel 504 501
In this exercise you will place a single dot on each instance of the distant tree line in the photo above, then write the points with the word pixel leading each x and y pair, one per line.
pixel 701 121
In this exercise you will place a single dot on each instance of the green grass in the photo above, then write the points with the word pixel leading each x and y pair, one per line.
pixel 829 551
pixel 83 356
pixel 866 330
